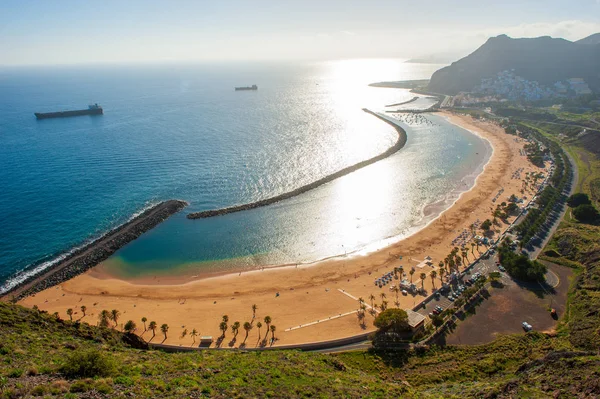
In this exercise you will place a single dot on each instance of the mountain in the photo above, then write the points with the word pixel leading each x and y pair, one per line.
pixel 592 39
pixel 543 59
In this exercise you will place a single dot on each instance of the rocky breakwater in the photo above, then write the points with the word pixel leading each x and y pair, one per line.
pixel 391 150
pixel 90 255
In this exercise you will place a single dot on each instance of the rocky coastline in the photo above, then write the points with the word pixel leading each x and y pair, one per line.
pixel 393 149
pixel 96 251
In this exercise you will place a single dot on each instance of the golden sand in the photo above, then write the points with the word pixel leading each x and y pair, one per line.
pixel 320 294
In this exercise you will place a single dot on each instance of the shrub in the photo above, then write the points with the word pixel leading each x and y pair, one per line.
pixel 578 199
pixel 39 390
pixel 586 213
pixel 89 363
pixel 486 225
pixel 80 386
pixel 392 320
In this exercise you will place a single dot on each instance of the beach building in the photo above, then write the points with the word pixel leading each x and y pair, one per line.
pixel 416 321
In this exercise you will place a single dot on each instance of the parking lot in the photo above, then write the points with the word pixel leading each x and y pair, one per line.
pixel 510 304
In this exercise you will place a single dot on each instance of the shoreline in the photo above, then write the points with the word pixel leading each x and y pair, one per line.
pixel 89 255
pixel 379 245
pixel 397 146
pixel 309 296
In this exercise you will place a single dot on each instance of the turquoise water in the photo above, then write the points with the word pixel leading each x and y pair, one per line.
pixel 181 131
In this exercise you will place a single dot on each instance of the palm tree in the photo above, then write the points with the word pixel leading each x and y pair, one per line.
pixel 433 275
pixel 382 295
pixel 247 327
pixel 396 291
pixel 70 313
pixel 130 327
pixel 144 320
pixel 384 305
pixel 114 315
pixel 223 328
pixel 83 309
pixel 411 272
pixel 372 298
pixel 442 272
pixel 225 319
pixel 473 247
pixel 441 264
pixel 104 317
pixel 193 334
pixel 363 307
pixel 267 321
pixel 273 328
pixel 184 333
pixel 254 307
pixel 360 300
pixel 259 325
pixel 152 326
pixel 423 276
pixel 401 270
pixel 164 328
pixel 234 328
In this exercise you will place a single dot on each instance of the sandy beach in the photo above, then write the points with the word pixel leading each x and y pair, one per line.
pixel 321 297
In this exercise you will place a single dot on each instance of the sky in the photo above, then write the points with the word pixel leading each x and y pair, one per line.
pixel 82 32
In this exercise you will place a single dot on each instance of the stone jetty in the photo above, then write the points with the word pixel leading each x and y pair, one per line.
pixel 393 149
pixel 95 252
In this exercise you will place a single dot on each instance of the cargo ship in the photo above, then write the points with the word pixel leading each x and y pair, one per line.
pixel 253 87
pixel 93 109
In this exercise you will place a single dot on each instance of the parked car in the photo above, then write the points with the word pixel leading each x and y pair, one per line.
pixel 527 326
pixel 501 268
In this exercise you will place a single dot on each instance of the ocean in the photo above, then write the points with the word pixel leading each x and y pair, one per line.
pixel 180 131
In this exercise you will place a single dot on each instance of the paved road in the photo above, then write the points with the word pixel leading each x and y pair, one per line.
pixel 361 346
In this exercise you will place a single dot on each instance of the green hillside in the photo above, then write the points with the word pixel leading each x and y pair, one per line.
pixel 47 357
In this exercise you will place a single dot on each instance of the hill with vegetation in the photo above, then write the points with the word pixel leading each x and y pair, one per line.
pixel 45 356
pixel 543 59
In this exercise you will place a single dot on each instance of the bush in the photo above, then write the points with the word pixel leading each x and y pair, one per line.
pixel 89 363
pixel 520 267
pixel 586 213
pixel 395 320
pixel 486 225
pixel 80 386
pixel 578 199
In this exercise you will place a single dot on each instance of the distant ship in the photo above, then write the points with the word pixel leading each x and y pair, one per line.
pixel 253 87
pixel 93 109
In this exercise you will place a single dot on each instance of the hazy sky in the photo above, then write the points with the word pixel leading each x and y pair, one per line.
pixel 64 32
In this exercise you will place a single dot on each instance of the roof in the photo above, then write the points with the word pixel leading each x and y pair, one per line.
pixel 414 318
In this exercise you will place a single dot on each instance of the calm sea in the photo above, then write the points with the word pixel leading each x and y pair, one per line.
pixel 181 131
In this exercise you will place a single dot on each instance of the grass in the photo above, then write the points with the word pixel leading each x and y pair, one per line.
pixel 42 355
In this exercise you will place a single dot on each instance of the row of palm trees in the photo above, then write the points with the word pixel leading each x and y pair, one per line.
pixel 224 326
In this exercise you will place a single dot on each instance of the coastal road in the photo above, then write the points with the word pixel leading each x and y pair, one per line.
pixel 360 346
